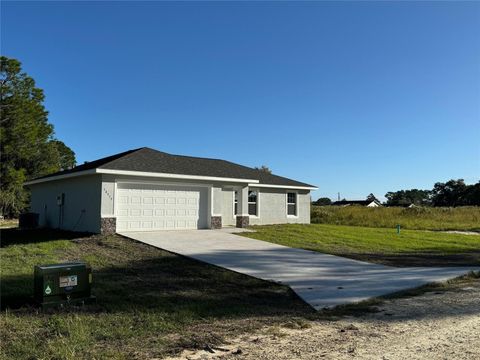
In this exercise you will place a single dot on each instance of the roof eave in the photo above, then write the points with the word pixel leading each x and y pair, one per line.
pixel 60 177
pixel 293 187
pixel 173 176
pixel 138 173
pixel 250 182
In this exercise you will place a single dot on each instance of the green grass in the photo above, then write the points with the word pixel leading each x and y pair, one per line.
pixel 8 223
pixel 420 218
pixel 409 248
pixel 150 302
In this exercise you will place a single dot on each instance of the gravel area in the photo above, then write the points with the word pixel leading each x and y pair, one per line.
pixel 434 325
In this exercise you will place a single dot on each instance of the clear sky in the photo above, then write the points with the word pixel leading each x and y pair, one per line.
pixel 352 97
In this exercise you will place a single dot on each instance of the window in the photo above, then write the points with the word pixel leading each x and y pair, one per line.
pixel 252 203
pixel 235 203
pixel 292 204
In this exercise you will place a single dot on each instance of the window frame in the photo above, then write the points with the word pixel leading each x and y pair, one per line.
pixel 257 203
pixel 287 203
pixel 235 203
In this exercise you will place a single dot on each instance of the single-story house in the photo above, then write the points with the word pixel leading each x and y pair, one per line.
pixel 367 203
pixel 145 189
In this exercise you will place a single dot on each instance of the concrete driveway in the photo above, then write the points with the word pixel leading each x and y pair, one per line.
pixel 319 279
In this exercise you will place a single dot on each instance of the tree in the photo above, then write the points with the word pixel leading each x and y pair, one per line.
pixel 264 169
pixel 371 197
pixel 27 144
pixel 323 201
pixel 407 197
pixel 472 195
pixel 451 193
pixel 66 156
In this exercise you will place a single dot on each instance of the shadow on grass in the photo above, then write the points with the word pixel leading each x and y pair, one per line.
pixel 15 236
pixel 175 285
pixel 422 259
pixel 131 277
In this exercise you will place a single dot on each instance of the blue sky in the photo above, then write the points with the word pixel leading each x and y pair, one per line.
pixel 352 97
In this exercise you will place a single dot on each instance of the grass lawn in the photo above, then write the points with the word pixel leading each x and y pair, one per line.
pixel 465 218
pixel 150 302
pixel 380 245
pixel 8 223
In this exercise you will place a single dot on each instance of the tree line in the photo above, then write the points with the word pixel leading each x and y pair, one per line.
pixel 451 193
pixel 28 146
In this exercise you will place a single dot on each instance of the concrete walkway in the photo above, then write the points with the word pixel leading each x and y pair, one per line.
pixel 319 279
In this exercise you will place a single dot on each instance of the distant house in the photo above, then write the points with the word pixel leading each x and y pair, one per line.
pixel 367 203
pixel 410 205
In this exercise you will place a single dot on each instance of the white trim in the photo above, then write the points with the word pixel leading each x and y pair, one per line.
pixel 250 182
pixel 284 187
pixel 210 191
pixel 60 177
pixel 172 176
pixel 257 203
pixel 139 173
pixel 152 182
pixel 114 199
pixel 297 208
pixel 233 203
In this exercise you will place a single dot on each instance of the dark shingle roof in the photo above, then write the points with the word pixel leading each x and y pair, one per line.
pixel 150 160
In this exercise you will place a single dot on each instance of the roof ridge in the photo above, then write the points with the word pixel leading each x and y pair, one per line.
pixel 121 155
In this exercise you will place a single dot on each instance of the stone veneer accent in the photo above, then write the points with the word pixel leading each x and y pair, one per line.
pixel 216 222
pixel 242 221
pixel 108 226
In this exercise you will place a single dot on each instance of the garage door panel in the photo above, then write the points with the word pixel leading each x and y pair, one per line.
pixel 148 212
pixel 160 207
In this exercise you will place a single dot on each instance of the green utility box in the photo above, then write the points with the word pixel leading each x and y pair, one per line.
pixel 61 284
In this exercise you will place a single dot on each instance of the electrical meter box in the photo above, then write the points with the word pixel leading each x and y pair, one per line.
pixel 62 284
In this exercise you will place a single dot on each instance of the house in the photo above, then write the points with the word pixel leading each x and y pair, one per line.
pixel 367 203
pixel 145 189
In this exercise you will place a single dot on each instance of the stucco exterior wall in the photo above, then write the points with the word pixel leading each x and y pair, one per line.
pixel 227 207
pixel 81 209
pixel 217 200
pixel 273 207
pixel 90 198
pixel 108 198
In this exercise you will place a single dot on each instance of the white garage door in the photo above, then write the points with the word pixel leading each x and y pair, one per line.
pixel 143 207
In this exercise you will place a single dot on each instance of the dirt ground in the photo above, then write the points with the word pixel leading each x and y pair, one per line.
pixel 435 325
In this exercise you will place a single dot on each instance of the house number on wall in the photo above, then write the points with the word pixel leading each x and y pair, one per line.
pixel 110 196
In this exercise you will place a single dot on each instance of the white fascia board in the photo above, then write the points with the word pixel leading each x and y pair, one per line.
pixel 173 176
pixel 284 186
pixel 140 173
pixel 60 177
